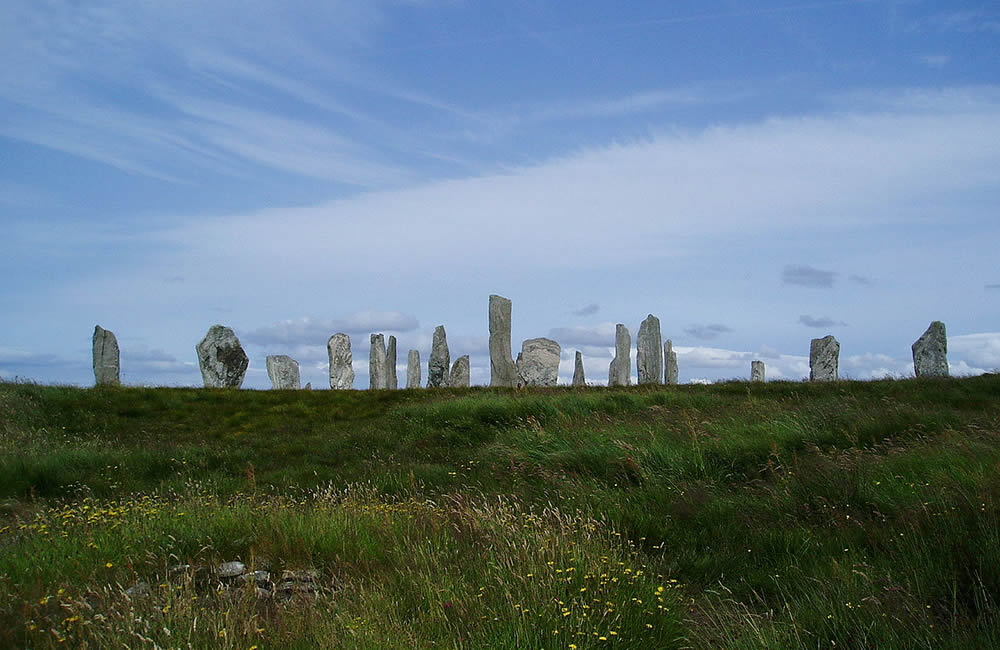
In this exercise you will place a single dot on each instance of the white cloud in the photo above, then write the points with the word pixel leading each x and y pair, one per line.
pixel 979 350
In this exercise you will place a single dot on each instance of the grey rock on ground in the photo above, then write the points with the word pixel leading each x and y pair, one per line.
pixel 283 372
pixel 579 379
pixel 502 370
pixel 222 359
pixel 341 361
pixel 538 362
pixel 756 371
pixel 930 352
pixel 620 371
pixel 460 372
pixel 413 369
pixel 669 363
pixel 378 373
pixel 392 382
pixel 824 359
pixel 440 361
pixel 649 352
pixel 107 361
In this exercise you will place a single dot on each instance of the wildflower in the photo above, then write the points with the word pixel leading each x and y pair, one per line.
pixel 109 564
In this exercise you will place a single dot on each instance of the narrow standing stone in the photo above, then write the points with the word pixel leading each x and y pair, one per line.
pixel 437 366
pixel 283 371
pixel 413 369
pixel 756 371
pixel 538 363
pixel 669 363
pixel 649 351
pixel 930 352
pixel 107 360
pixel 460 373
pixel 620 371
pixel 502 370
pixel 824 357
pixel 377 374
pixel 578 377
pixel 341 361
pixel 221 358
pixel 392 382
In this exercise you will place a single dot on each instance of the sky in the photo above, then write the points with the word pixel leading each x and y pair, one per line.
pixel 754 174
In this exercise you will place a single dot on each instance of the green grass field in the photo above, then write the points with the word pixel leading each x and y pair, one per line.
pixel 778 515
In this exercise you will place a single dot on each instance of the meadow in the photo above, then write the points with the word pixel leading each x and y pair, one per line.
pixel 736 515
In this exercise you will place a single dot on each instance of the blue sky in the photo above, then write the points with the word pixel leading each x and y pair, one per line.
pixel 755 176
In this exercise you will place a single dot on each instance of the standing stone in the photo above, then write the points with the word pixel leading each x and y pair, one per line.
pixel 392 382
pixel 538 363
pixel 756 371
pixel 649 351
pixel 824 357
pixel 620 371
pixel 341 362
pixel 378 377
pixel 669 363
pixel 222 359
pixel 930 352
pixel 460 373
pixel 283 372
pixel 308 386
pixel 502 370
pixel 437 366
pixel 578 378
pixel 107 361
pixel 413 369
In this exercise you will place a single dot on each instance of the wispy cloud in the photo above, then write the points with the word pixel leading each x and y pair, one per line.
pixel 595 335
pixel 821 321
pixel 993 286
pixel 935 60
pixel 862 280
pixel 588 310
pixel 806 276
pixel 708 332
pixel 310 331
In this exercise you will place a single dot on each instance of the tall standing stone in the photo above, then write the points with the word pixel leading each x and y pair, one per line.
pixel 413 369
pixel 437 366
pixel 620 371
pixel 222 359
pixel 538 363
pixel 824 358
pixel 578 377
pixel 392 382
pixel 378 374
pixel 107 360
pixel 756 371
pixel 649 351
pixel 930 352
pixel 502 370
pixel 669 363
pixel 460 373
pixel 341 361
pixel 283 371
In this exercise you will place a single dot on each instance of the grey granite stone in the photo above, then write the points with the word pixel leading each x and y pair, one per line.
pixel 392 381
pixel 413 369
pixel 930 352
pixel 649 352
pixel 538 362
pixel 283 372
pixel 669 363
pixel 756 371
pixel 440 361
pixel 378 376
pixel 579 379
pixel 824 359
pixel 107 360
pixel 460 373
pixel 222 359
pixel 341 361
pixel 502 370
pixel 620 371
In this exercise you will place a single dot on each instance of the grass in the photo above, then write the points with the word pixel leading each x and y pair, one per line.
pixel 779 515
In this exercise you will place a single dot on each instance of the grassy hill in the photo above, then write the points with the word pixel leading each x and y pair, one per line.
pixel 848 515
